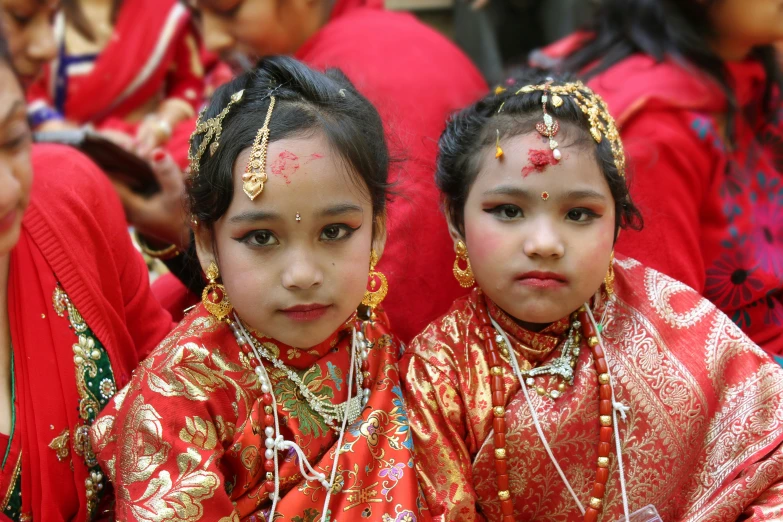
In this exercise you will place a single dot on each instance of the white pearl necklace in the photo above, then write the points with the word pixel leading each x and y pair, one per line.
pixel 274 441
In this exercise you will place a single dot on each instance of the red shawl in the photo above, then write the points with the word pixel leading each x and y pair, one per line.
pixel 186 431
pixel 715 206
pixel 703 436
pixel 74 243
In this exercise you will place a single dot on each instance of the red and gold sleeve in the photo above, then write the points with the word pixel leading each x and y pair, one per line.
pixel 437 419
pixel 161 440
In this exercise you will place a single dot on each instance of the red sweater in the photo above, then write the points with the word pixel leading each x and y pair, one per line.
pixel 415 78
pixel 713 213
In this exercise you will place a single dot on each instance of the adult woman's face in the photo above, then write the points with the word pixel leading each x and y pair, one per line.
pixel 16 173
pixel 742 24
pixel 260 27
pixel 28 28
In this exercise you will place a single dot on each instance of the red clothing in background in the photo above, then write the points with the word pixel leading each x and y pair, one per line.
pixel 415 78
pixel 81 318
pixel 713 211
pixel 153 55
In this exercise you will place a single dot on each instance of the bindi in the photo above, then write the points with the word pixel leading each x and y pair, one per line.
pixel 538 161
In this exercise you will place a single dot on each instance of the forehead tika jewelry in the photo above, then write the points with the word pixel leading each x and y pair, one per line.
pixel 255 174
pixel 212 128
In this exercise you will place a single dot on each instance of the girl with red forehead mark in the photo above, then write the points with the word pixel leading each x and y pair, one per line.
pixel 570 385
pixel 277 397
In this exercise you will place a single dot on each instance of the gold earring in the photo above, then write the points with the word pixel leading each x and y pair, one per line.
pixel 609 279
pixel 373 297
pixel 464 277
pixel 214 296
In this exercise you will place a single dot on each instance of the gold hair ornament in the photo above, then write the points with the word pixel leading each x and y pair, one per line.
pixel 255 174
pixel 212 128
pixel 602 124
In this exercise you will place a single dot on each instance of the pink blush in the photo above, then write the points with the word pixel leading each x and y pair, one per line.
pixel 286 164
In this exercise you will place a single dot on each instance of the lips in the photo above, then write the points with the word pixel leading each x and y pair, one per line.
pixel 538 279
pixel 306 312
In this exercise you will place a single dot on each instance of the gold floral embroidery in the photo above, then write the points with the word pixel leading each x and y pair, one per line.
pixel 178 501
pixel 100 432
pixel 60 445
pixel 225 429
pixel 183 372
pixel 144 448
pixel 234 517
pixel 199 432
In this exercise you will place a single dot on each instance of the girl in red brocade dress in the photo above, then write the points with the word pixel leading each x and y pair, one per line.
pixel 275 398
pixel 559 390
pixel 695 87
pixel 76 317
pixel 131 68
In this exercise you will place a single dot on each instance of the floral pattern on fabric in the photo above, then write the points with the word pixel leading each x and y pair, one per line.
pixel 745 279
pixel 702 440
pixel 181 441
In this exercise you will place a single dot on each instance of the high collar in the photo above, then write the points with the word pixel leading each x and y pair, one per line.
pixel 536 346
pixel 301 358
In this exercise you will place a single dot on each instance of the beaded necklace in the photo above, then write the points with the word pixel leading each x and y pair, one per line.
pixel 343 413
pixel 495 343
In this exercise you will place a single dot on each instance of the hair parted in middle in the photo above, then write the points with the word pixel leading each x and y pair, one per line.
pixel 512 110
pixel 306 102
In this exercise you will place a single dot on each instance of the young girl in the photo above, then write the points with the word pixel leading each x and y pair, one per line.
pixel 570 385
pixel 275 398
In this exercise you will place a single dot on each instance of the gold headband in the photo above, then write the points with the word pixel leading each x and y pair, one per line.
pixel 602 123
pixel 255 174
pixel 212 128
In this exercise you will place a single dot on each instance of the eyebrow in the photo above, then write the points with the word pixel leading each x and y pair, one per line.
pixel 18 104
pixel 253 216
pixel 340 209
pixel 510 190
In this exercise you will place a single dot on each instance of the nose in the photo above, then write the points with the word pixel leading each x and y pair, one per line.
pixel 302 272
pixel 217 38
pixel 543 240
pixel 41 43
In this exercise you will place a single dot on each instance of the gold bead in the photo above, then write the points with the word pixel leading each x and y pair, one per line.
pixel 500 453
pixel 270 476
pixel 603 378
pixel 592 341
pixel 496 370
pixel 603 462
pixel 504 352
pixel 595 503
pixel 499 411
pixel 561 386
pixel 540 390
pixel 268 410
pixel 606 420
pixel 504 495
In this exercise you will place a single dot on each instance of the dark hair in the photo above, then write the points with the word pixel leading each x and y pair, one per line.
pixel 676 29
pixel 473 129
pixel 306 102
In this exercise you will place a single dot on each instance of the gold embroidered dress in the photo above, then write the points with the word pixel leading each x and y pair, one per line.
pixel 701 441
pixel 184 440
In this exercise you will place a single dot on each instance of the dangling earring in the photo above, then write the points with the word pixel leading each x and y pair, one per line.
pixel 378 287
pixel 464 277
pixel 609 279
pixel 214 295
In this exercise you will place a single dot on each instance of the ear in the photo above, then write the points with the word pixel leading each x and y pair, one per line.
pixel 379 235
pixel 204 250
pixel 455 234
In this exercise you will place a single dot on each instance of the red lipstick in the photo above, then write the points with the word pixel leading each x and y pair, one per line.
pixel 540 279
pixel 306 312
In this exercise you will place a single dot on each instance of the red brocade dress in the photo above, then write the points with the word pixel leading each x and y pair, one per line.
pixel 702 439
pixel 183 441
